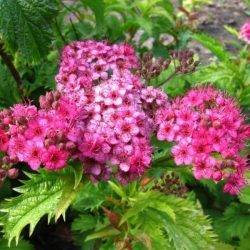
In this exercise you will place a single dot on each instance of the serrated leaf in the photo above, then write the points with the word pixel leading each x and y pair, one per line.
pixel 147 200
pixel 235 222
pixel 25 26
pixel 84 223
pixel 105 232
pixel 117 189
pixel 191 230
pixel 89 197
pixel 213 45
pixel 22 245
pixel 188 229
pixel 245 195
pixel 45 193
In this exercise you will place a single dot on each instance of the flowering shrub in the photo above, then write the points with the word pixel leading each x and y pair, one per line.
pixel 121 132
pixel 104 115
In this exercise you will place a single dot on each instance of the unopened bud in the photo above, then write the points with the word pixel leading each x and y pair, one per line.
pixel 13 173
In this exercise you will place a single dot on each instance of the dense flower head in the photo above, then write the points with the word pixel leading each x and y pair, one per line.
pixel 209 133
pixel 245 32
pixel 118 108
pixel 38 136
pixel 85 64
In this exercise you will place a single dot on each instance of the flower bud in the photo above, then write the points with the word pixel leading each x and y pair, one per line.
pixel 13 173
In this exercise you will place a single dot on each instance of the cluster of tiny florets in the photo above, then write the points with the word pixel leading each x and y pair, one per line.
pixel 117 123
pixel 209 133
pixel 38 137
pixel 245 32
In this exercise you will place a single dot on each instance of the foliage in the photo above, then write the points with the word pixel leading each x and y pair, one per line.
pixel 25 27
pixel 57 190
pixel 168 220
pixel 22 245
pixel 8 88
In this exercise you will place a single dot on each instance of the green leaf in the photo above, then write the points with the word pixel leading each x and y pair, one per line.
pixel 147 200
pixel 84 223
pixel 235 222
pixel 244 243
pixel 45 193
pixel 245 195
pixel 232 30
pixel 98 8
pixel 22 245
pixel 89 197
pixel 25 26
pixel 162 150
pixel 103 233
pixel 117 189
pixel 191 230
pixel 213 45
pixel 177 222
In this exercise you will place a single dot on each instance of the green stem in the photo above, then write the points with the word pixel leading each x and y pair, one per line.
pixel 168 79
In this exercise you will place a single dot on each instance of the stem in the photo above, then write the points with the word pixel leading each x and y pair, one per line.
pixel 59 32
pixel 8 62
pixel 168 79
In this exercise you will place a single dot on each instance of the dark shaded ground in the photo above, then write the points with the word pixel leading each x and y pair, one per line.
pixel 213 17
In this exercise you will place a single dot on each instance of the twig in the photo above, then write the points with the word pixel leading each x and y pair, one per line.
pixel 168 79
pixel 8 62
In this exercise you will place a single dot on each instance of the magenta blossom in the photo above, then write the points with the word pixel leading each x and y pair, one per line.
pixel 245 32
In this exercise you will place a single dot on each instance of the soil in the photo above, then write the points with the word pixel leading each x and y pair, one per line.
pixel 213 17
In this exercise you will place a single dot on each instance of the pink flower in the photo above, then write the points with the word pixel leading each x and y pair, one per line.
pixel 183 153
pixel 202 169
pixel 245 32
pixel 139 163
pixel 212 126
pixel 235 184
pixel 54 158
pixel 17 148
pixel 35 130
pixel 126 129
pixel 35 150
pixel 94 146
pixel 4 141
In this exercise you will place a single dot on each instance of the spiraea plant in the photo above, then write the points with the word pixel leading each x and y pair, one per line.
pixel 98 126
pixel 93 133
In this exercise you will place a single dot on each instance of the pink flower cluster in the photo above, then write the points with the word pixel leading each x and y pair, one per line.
pixel 117 123
pixel 38 137
pixel 245 32
pixel 209 133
